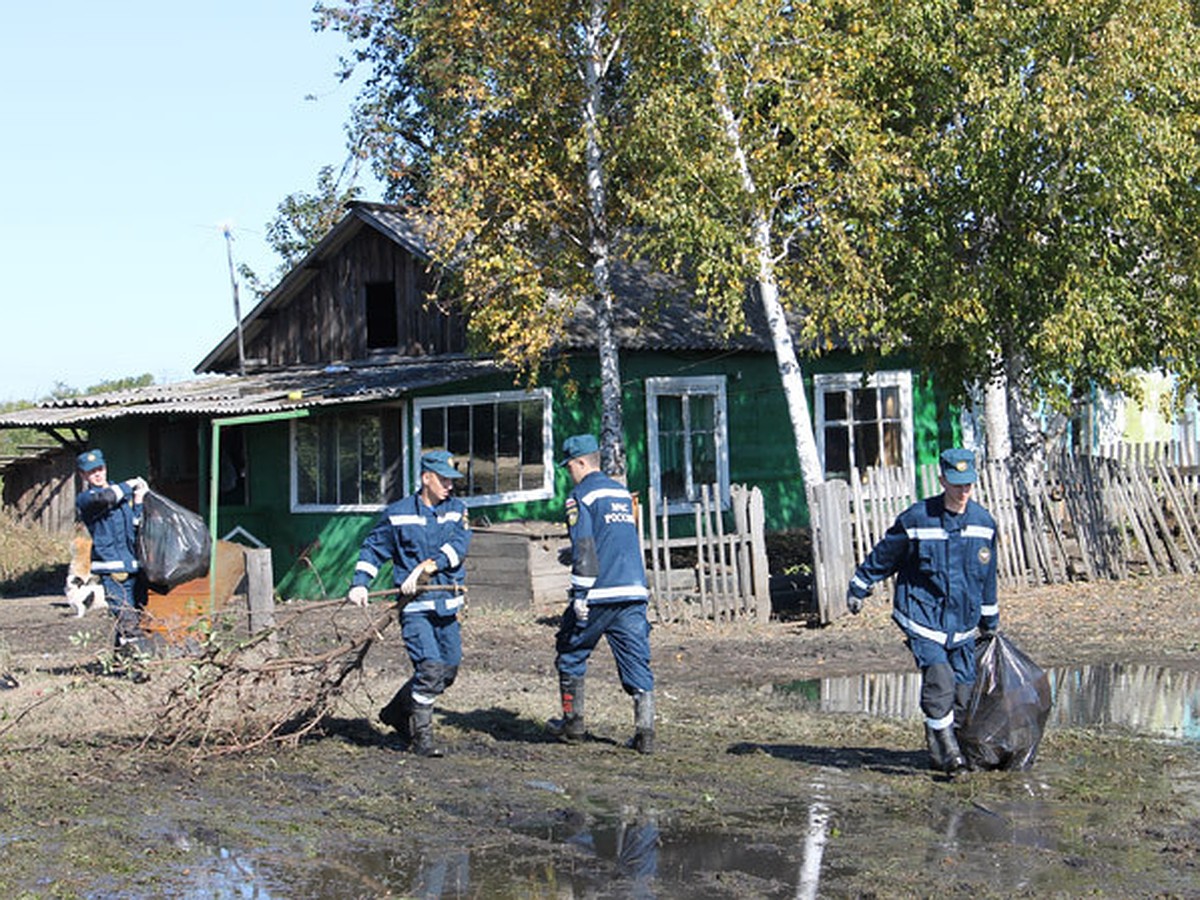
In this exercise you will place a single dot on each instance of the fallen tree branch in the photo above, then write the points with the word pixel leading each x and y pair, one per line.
pixel 272 687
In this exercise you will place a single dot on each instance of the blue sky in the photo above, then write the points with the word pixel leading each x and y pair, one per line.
pixel 131 134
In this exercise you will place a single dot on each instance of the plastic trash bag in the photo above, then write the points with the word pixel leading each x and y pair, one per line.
pixel 173 543
pixel 1008 709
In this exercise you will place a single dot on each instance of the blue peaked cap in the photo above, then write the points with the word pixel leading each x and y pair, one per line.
pixel 578 445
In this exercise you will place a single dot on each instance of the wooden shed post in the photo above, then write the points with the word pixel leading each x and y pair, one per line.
pixel 260 589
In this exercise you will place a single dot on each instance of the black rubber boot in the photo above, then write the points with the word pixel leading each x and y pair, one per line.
pixel 944 754
pixel 420 724
pixel 643 722
pixel 570 728
pixel 398 710
pixel 131 646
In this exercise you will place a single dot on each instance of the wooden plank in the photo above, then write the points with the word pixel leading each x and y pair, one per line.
pixel 756 519
pixel 655 570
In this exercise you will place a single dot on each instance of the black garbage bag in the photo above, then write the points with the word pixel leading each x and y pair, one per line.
pixel 173 543
pixel 1008 708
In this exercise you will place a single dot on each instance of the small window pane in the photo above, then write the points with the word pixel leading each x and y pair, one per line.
pixel 702 415
pixel 866 407
pixel 889 398
pixel 370 486
pixel 893 444
pixel 837 451
pixel 835 406
pixel 704 458
pixel 866 445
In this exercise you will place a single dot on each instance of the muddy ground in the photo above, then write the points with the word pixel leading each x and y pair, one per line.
pixel 754 791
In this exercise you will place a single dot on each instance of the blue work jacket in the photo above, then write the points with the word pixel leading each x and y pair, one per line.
pixel 606 554
pixel 410 532
pixel 945 568
pixel 112 519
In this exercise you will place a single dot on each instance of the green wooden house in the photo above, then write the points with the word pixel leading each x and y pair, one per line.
pixel 308 418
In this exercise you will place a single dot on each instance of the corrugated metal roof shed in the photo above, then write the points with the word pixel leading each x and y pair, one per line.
pixel 262 392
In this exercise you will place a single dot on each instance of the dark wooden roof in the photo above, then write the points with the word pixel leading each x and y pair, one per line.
pixel 654 311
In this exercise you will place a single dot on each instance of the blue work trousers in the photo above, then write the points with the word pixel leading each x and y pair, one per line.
pixel 434 644
pixel 628 632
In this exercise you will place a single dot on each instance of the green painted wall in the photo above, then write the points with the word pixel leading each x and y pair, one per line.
pixel 314 553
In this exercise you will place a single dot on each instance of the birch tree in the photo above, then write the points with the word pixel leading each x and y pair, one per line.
pixel 501 119
pixel 771 170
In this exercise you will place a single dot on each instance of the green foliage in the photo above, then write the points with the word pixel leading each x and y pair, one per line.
pixel 1053 231
pixel 770 161
pixel 984 186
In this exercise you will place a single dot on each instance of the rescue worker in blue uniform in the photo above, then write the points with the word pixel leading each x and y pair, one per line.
pixel 942 551
pixel 425 537
pixel 112 514
pixel 608 596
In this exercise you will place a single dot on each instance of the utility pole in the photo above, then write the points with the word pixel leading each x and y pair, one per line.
pixel 237 306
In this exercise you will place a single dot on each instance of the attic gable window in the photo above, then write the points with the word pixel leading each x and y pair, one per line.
pixel 501 442
pixel 863 425
pixel 344 462
pixel 382 321
pixel 687 442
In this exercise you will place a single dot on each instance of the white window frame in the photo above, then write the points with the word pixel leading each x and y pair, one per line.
pixel 294 488
pixel 546 490
pixel 713 385
pixel 842 381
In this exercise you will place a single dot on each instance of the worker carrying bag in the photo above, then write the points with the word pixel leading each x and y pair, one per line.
pixel 173 543
pixel 1008 709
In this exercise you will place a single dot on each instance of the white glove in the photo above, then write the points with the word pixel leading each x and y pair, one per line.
pixel 358 595
pixel 140 487
pixel 409 587
pixel 581 609
pixel 854 604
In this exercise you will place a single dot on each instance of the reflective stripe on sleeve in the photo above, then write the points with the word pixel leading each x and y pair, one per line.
pixel 451 555
pixel 403 519
pixel 363 566
pixel 990 610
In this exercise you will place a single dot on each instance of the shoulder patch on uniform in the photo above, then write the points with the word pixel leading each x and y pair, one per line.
pixel 572 511
pixel 985 555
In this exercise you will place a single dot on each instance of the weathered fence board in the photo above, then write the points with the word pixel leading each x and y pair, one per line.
pixel 1132 509
pixel 720 572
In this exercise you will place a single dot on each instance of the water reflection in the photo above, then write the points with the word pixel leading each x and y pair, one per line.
pixel 1150 700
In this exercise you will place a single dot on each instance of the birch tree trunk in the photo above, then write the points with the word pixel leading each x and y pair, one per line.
pixel 790 374
pixel 612 445
pixel 995 417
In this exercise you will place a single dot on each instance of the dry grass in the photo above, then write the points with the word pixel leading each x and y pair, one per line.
pixel 31 560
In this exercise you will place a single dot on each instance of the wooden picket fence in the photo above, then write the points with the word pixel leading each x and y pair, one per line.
pixel 1127 510
pixel 719 572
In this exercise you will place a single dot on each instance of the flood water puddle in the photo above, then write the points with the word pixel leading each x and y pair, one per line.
pixel 1147 700
pixel 629 856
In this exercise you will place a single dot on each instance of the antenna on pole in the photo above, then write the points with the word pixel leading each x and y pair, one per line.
pixel 237 306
